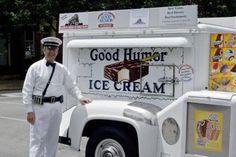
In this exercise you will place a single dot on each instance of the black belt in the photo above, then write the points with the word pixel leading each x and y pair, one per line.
pixel 40 100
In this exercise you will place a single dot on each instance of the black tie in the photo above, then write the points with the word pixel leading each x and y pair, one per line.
pixel 49 63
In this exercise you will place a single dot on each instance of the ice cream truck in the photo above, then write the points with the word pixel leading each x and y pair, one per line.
pixel 162 84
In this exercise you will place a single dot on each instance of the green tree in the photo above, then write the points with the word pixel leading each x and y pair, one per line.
pixel 209 8
pixel 44 14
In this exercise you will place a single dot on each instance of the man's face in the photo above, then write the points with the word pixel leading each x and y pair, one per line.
pixel 50 53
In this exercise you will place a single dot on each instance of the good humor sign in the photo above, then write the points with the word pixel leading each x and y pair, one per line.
pixel 129 71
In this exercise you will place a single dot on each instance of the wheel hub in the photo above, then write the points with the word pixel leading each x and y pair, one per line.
pixel 109 148
pixel 109 152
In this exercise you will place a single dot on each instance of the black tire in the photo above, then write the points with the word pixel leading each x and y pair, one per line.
pixel 111 140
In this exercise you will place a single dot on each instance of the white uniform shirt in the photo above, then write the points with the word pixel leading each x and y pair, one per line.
pixel 37 77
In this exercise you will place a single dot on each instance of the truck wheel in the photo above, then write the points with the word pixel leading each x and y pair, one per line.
pixel 110 142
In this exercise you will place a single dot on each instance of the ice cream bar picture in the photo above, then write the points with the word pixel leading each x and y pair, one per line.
pixel 218 41
pixel 130 70
pixel 218 55
pixel 201 128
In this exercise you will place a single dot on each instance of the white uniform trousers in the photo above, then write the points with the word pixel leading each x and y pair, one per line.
pixel 45 131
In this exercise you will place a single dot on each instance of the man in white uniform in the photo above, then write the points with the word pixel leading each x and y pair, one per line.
pixel 42 95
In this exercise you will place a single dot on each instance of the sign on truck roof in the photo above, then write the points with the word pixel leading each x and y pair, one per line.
pixel 163 17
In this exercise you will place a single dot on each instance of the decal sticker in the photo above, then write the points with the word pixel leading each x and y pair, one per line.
pixel 106 20
pixel 208 130
pixel 223 62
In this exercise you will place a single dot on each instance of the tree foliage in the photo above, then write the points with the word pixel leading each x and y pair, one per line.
pixel 45 13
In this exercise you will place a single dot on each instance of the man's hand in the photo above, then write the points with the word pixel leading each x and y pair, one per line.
pixel 84 101
pixel 31 117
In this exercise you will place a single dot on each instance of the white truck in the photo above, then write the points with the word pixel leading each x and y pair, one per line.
pixel 159 89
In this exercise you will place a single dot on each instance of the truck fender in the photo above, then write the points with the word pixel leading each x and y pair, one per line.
pixel 86 119
pixel 98 112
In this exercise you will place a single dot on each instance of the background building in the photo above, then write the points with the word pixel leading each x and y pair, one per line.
pixel 19 48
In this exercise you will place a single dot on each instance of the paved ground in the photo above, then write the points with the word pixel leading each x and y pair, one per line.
pixel 14 130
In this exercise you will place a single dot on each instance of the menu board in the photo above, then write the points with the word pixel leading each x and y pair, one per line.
pixel 223 62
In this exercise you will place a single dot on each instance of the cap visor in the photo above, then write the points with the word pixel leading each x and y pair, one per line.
pixel 51 47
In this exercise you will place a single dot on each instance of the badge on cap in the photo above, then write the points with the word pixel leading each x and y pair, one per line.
pixel 51 42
